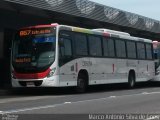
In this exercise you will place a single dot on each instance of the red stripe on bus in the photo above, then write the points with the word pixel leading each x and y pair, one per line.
pixel 106 34
pixel 113 67
pixel 76 67
pixel 41 26
pixel 31 75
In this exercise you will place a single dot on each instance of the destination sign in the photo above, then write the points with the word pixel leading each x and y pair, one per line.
pixel 23 60
pixel 28 32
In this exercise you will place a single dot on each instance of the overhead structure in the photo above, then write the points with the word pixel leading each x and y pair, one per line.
pixel 85 12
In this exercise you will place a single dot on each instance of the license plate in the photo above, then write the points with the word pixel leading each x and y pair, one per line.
pixel 30 84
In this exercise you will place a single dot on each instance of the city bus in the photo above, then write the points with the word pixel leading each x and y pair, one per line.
pixel 60 55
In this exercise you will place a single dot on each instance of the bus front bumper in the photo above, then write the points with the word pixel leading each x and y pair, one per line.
pixel 46 82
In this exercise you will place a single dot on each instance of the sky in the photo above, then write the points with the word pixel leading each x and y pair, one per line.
pixel 147 8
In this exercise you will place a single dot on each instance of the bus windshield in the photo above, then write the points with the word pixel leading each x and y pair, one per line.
pixel 33 52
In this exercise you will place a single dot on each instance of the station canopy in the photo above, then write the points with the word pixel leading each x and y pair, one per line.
pixel 84 13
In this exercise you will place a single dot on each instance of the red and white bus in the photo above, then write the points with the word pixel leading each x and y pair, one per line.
pixel 60 56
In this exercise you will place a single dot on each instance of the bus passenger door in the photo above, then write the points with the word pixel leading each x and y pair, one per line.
pixel 66 64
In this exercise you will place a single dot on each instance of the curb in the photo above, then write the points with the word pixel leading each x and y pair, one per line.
pixel 4 92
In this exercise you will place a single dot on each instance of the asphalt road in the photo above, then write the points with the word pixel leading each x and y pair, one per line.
pixel 100 102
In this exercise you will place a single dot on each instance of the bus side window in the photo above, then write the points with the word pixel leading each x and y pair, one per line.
pixel 65 47
pixel 141 50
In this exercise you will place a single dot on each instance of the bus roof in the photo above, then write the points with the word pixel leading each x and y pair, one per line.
pixel 99 31
pixel 112 31
pixel 106 32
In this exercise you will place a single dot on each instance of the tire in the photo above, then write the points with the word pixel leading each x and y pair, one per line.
pixel 81 84
pixel 131 81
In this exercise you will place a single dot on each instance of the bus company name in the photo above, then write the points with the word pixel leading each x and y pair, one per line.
pixel 34 32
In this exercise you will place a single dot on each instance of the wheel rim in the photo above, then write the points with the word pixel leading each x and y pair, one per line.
pixel 81 85
pixel 132 82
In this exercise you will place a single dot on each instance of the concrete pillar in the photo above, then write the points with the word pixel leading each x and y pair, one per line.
pixel 1 58
pixel 1 44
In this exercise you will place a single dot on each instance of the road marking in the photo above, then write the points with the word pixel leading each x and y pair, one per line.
pixel 19 99
pixel 33 108
pixel 145 93
pixel 65 103
pixel 112 97
pixel 1 112
pixel 154 93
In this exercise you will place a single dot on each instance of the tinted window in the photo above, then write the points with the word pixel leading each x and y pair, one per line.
pixel 34 53
pixel 149 51
pixel 141 50
pixel 108 47
pixel 131 49
pixel 95 46
pixel 81 44
pixel 66 49
pixel 120 48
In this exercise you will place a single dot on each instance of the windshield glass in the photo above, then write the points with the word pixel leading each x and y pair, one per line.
pixel 33 53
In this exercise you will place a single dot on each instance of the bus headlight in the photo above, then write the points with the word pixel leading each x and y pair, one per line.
pixel 13 75
pixel 51 73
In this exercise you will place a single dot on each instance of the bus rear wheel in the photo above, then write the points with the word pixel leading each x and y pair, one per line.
pixel 81 84
pixel 131 80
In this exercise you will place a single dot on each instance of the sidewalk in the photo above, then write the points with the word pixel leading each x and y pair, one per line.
pixel 5 89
